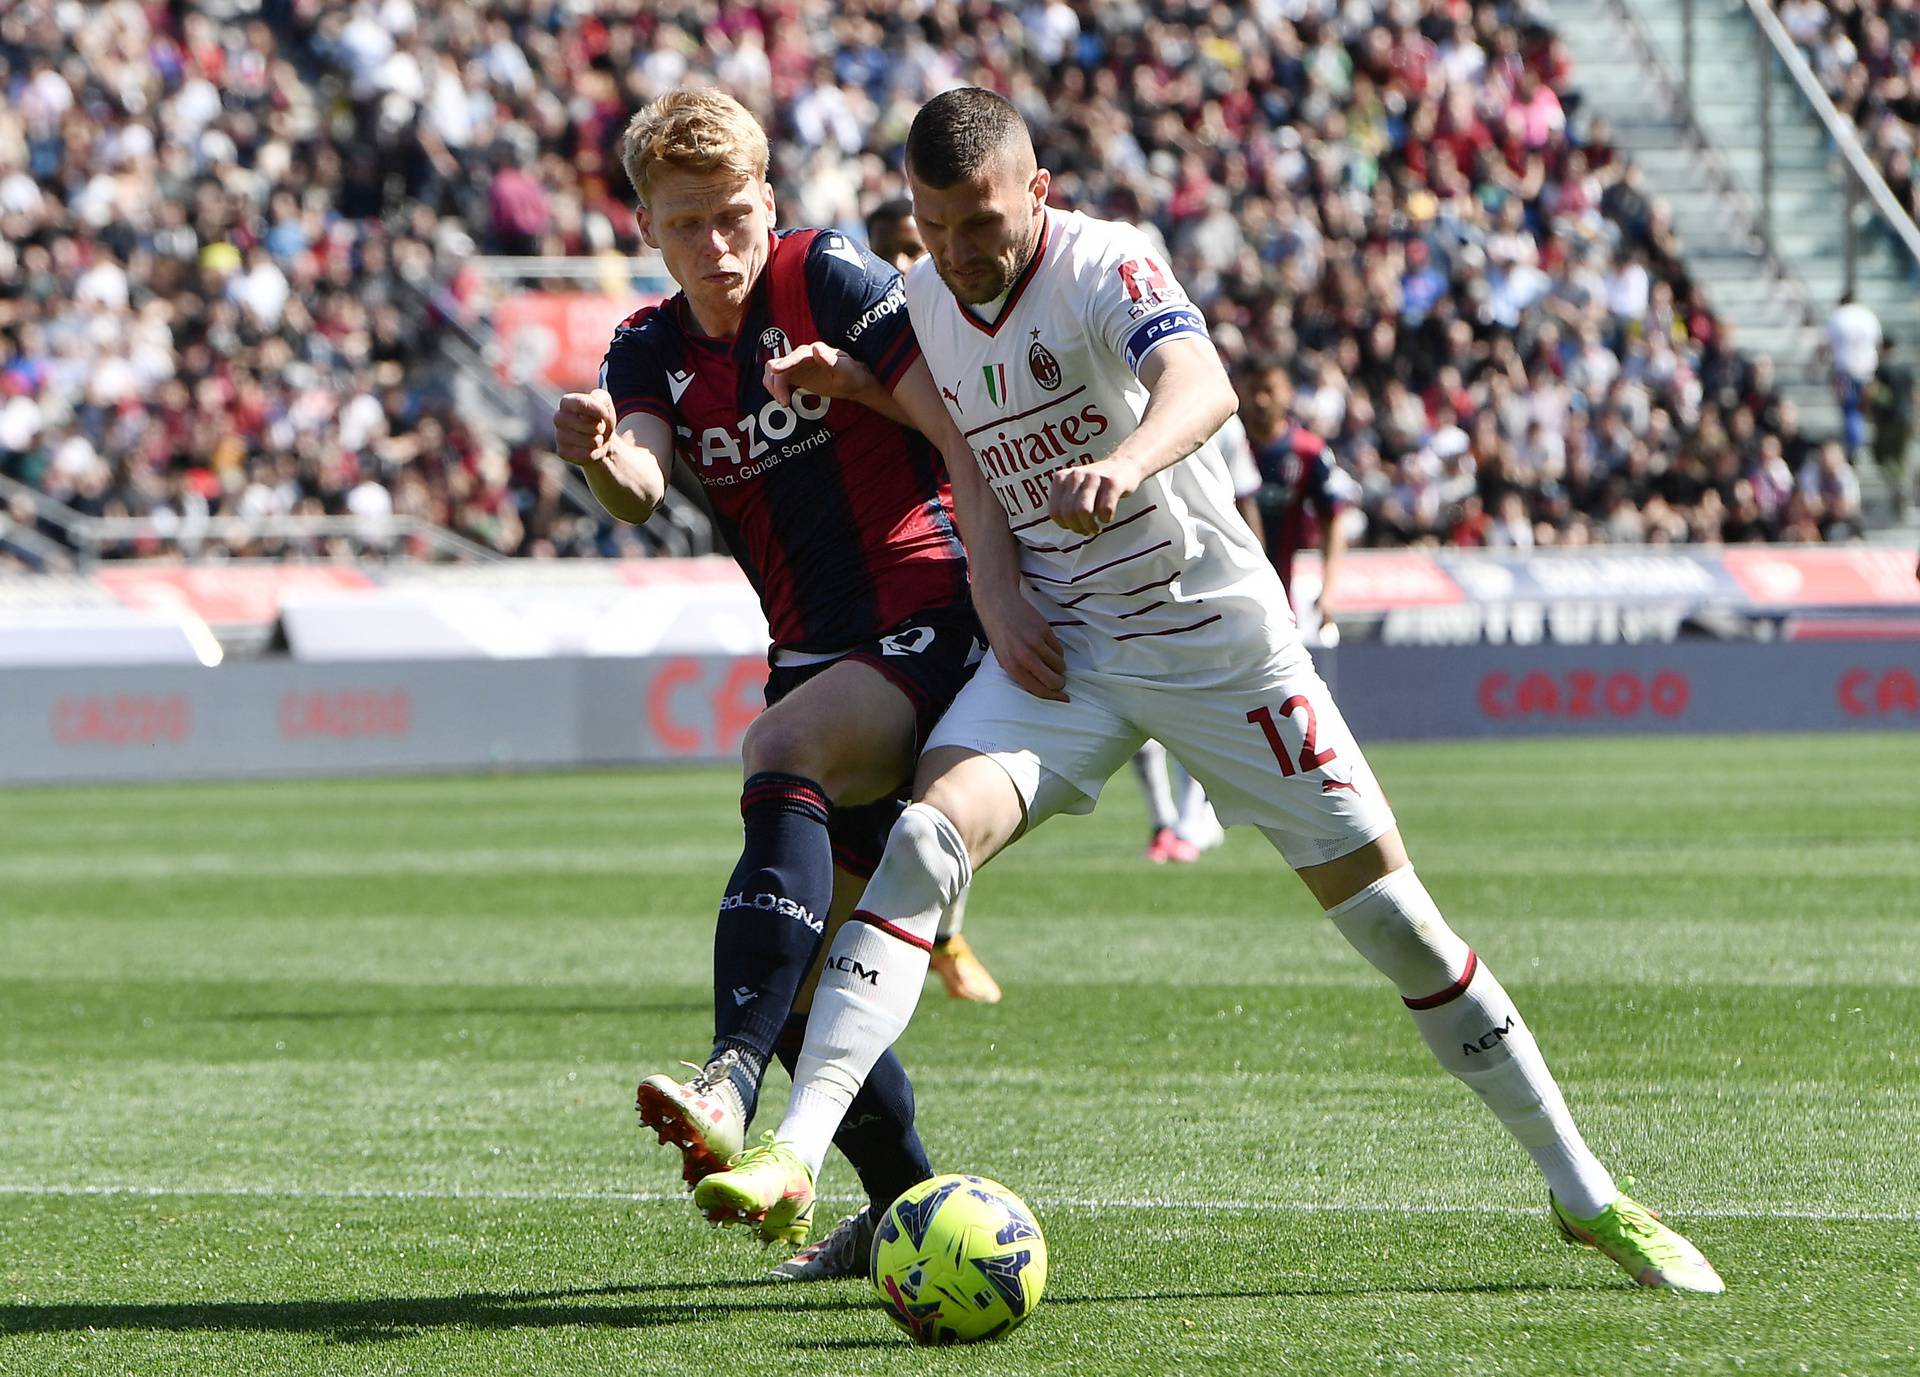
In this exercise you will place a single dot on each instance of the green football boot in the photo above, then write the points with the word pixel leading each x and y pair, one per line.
pixel 767 1186
pixel 1633 1236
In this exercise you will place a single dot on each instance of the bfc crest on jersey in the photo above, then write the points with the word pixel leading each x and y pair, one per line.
pixel 774 340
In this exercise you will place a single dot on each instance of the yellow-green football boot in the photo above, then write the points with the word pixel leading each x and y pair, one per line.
pixel 1633 1236
pixel 767 1186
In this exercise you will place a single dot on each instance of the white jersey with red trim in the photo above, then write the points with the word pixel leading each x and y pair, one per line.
pixel 1175 589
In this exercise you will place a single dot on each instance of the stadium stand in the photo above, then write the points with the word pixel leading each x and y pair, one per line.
pixel 222 221
pixel 1867 55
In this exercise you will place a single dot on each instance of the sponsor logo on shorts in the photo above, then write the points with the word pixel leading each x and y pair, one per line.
pixel 743 996
pixel 913 641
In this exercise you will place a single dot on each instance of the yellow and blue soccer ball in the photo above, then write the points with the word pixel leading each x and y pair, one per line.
pixel 958 1259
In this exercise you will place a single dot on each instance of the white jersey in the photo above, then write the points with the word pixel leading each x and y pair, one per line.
pixel 1176 589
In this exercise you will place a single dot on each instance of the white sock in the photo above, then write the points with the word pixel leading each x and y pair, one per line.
pixel 1193 805
pixel 954 918
pixel 873 975
pixel 1474 1031
pixel 1150 763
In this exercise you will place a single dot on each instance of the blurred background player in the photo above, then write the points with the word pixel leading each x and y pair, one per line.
pixel 892 234
pixel 1302 495
pixel 841 518
pixel 893 238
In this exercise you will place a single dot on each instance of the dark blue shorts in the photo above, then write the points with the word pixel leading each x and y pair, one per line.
pixel 929 657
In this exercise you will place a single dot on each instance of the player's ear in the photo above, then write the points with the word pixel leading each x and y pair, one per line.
pixel 766 195
pixel 644 219
pixel 1037 188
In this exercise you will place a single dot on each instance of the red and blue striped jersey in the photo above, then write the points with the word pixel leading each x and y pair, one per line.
pixel 841 518
pixel 1300 492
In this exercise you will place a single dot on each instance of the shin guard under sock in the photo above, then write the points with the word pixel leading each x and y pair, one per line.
pixel 773 916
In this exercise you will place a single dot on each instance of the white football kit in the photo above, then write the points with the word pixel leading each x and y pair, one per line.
pixel 1174 624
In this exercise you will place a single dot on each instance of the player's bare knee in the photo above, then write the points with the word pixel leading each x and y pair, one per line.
pixel 974 795
pixel 780 743
pixel 1334 882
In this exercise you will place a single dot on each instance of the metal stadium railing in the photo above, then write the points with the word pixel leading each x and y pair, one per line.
pixel 1862 176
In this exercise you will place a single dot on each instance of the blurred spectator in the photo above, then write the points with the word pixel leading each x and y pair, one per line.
pixel 892 234
pixel 1853 347
pixel 1890 406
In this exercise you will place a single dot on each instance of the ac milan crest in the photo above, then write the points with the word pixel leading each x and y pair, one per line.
pixel 1045 367
pixel 774 340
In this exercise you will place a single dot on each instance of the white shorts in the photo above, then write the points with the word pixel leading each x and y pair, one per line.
pixel 1272 752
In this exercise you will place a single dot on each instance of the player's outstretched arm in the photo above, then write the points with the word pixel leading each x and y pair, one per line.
pixel 1189 398
pixel 626 463
pixel 1022 641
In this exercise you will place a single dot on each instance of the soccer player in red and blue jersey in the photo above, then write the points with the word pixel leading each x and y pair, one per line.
pixel 840 514
pixel 1302 491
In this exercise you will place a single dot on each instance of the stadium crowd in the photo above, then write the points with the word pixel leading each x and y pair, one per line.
pixel 1867 56
pixel 217 220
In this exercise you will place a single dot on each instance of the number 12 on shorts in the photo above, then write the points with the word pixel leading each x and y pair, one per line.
pixel 1310 758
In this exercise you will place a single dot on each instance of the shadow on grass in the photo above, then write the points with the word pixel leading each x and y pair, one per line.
pixel 692 1004
pixel 1491 1288
pixel 602 1307
pixel 368 1321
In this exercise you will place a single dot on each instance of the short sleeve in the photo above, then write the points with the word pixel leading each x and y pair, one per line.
pixel 860 305
pixel 634 374
pixel 1134 304
pixel 1329 486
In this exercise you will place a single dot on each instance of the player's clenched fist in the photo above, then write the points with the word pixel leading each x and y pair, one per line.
pixel 818 368
pixel 583 424
pixel 1085 498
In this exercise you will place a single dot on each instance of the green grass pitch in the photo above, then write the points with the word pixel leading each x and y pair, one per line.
pixel 337 1078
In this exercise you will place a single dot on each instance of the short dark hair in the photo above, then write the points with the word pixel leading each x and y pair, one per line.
pixel 888 213
pixel 959 132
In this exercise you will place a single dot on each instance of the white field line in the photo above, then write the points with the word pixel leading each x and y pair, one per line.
pixel 57 1189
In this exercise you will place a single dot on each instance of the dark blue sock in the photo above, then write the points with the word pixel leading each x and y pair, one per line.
pixel 771 919
pixel 877 1136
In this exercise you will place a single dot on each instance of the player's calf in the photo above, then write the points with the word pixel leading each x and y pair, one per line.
pixel 1475 1032
pixel 873 975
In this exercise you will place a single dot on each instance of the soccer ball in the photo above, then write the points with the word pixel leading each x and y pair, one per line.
pixel 959 1259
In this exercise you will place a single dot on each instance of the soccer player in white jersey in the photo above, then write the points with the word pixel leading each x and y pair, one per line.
pixel 1087 386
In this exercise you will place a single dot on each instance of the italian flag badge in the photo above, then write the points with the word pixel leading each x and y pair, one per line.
pixel 996 375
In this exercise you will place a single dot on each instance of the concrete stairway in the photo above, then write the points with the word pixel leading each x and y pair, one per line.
pixel 1715 190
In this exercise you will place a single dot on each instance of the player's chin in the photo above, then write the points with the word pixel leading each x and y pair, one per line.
pixel 973 291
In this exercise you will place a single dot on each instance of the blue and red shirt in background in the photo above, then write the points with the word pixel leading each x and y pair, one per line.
pixel 1301 490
